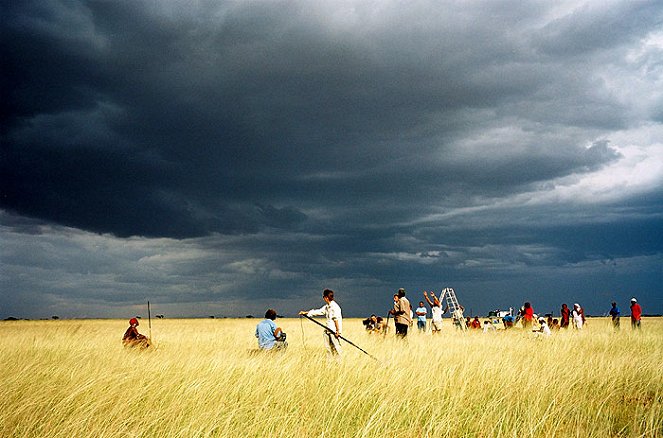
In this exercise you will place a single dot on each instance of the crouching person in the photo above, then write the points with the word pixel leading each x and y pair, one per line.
pixel 132 338
pixel 270 337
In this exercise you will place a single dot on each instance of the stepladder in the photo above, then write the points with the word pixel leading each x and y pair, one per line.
pixel 456 310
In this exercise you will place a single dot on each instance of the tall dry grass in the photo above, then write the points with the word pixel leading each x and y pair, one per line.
pixel 73 379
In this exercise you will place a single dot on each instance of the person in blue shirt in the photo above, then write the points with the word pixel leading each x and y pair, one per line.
pixel 614 313
pixel 421 316
pixel 269 335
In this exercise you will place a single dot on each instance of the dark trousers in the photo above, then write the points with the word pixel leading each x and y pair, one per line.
pixel 401 329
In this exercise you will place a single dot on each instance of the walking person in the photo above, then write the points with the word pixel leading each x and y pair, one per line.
pixel 421 313
pixel 401 311
pixel 636 314
pixel 332 311
pixel 614 314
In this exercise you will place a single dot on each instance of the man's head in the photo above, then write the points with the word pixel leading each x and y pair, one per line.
pixel 401 293
pixel 613 304
pixel 421 304
pixel 328 295
pixel 270 314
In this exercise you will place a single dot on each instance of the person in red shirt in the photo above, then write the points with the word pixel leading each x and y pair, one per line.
pixel 566 316
pixel 528 315
pixel 636 314
pixel 132 338
pixel 475 324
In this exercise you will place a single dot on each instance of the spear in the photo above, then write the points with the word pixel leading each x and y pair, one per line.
pixel 149 320
pixel 341 337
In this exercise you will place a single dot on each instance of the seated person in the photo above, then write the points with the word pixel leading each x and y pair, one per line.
pixel 132 338
pixel 543 330
pixel 488 326
pixel 269 335
pixel 475 324
pixel 373 323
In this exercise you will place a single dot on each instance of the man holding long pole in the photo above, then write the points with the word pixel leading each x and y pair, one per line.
pixel 332 311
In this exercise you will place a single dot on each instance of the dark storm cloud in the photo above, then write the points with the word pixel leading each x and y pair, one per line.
pixel 279 146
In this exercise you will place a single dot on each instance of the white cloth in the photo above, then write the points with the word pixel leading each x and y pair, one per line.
pixel 436 311
pixel 577 319
pixel 333 313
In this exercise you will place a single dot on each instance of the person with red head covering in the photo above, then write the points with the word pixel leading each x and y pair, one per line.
pixel 132 338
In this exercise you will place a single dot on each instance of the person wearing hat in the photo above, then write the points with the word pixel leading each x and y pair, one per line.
pixel 636 314
pixel 132 338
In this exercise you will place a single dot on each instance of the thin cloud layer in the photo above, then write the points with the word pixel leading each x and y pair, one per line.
pixel 286 146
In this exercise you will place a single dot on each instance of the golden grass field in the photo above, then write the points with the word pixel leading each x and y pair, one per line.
pixel 74 379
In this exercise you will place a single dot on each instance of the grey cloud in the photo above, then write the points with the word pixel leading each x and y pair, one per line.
pixel 297 144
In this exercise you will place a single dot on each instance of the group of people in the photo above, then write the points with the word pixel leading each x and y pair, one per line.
pixel 272 337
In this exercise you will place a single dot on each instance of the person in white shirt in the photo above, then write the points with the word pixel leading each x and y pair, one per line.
pixel 578 316
pixel 543 328
pixel 436 312
pixel 332 311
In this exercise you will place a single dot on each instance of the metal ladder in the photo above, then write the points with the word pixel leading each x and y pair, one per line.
pixel 450 298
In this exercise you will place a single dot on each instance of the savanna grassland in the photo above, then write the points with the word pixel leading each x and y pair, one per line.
pixel 74 379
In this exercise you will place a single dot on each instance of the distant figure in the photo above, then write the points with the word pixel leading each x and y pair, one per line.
pixel 436 312
pixel 468 322
pixel 566 316
pixel 543 330
pixel 578 316
pixel 527 314
pixel 636 314
pixel 507 320
pixel 334 321
pixel 421 316
pixel 373 323
pixel 269 335
pixel 402 313
pixel 132 338
pixel 555 324
pixel 487 327
pixel 614 314
pixel 475 324
pixel 458 319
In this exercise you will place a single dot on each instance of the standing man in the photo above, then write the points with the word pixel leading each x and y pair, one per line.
pixel 636 314
pixel 421 316
pixel 566 316
pixel 269 335
pixel 614 313
pixel 401 312
pixel 332 311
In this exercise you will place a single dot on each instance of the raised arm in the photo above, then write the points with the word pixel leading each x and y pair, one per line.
pixel 430 303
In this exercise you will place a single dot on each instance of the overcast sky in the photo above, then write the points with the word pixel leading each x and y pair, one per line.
pixel 219 158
